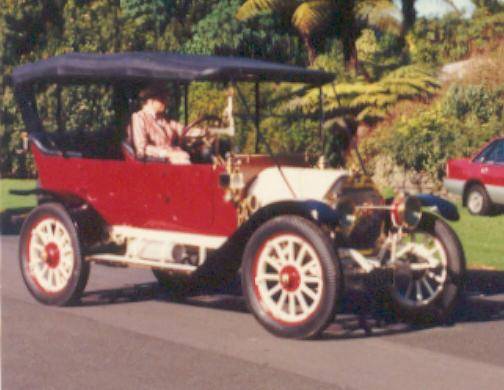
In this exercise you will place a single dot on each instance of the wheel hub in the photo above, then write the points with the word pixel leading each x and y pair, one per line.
pixel 475 202
pixel 52 255
pixel 289 278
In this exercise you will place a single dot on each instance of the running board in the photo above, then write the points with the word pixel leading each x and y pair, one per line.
pixel 140 263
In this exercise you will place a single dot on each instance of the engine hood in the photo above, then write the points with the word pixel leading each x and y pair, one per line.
pixel 307 183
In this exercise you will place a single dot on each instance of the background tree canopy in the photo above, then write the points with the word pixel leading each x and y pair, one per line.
pixel 387 60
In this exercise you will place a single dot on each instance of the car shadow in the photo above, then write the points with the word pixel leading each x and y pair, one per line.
pixel 362 313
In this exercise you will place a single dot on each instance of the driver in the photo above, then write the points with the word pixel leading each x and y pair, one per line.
pixel 151 133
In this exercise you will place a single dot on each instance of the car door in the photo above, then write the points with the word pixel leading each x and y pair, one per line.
pixel 122 192
pixel 158 195
pixel 189 193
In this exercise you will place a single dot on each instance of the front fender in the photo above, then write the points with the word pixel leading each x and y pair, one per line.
pixel 441 206
pixel 314 210
pixel 232 250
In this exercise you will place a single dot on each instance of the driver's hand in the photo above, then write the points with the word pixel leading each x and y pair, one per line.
pixel 195 132
pixel 177 156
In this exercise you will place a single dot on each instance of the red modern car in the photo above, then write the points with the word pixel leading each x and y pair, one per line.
pixel 293 226
pixel 480 179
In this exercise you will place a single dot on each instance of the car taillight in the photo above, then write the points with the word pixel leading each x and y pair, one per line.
pixel 447 169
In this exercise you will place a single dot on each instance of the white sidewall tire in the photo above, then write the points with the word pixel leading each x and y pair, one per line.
pixel 323 311
pixel 70 288
pixel 442 307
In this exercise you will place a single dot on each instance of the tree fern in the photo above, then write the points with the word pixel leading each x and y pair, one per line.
pixel 368 102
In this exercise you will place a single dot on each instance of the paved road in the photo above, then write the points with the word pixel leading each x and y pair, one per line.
pixel 129 335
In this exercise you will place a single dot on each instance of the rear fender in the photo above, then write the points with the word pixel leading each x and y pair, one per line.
pixel 86 220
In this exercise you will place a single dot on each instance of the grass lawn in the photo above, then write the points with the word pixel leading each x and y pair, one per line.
pixel 482 237
pixel 8 201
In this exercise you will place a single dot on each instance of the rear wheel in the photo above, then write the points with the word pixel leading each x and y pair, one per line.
pixel 478 202
pixel 51 261
pixel 429 272
pixel 291 277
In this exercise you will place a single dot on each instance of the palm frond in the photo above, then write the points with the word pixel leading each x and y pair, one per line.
pixel 252 8
pixel 311 16
pixel 371 114
pixel 377 100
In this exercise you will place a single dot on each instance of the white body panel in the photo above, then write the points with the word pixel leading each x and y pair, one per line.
pixel 157 248
pixel 307 183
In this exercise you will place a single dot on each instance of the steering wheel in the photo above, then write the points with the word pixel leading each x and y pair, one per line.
pixel 215 120
pixel 201 147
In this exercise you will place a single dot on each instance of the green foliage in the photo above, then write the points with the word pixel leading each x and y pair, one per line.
pixel 370 101
pixel 488 6
pixel 309 18
pixel 318 20
pixel 219 32
pixel 338 32
pixel 451 38
pixel 473 100
pixel 420 143
pixel 466 118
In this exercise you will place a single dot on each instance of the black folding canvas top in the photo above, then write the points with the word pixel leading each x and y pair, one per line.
pixel 143 66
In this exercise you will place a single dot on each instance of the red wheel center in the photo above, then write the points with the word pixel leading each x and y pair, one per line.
pixel 289 278
pixel 52 254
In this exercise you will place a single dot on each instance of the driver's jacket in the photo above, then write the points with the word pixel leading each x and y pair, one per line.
pixel 151 135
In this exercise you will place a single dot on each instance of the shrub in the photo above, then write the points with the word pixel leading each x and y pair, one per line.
pixel 455 126
pixel 462 101
pixel 422 143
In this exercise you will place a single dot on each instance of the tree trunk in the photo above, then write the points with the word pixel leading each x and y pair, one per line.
pixel 409 16
pixel 349 35
pixel 312 54
pixel 350 50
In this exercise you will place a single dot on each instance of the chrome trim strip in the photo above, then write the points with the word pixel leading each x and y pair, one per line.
pixel 496 194
pixel 455 186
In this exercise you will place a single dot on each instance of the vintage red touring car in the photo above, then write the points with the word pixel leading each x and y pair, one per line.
pixel 292 228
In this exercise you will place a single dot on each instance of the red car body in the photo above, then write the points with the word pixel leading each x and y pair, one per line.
pixel 484 170
pixel 125 192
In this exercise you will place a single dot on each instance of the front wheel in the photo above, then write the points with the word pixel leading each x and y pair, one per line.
pixel 428 272
pixel 291 277
pixel 51 261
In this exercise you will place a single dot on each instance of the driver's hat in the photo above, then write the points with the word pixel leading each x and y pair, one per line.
pixel 154 91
